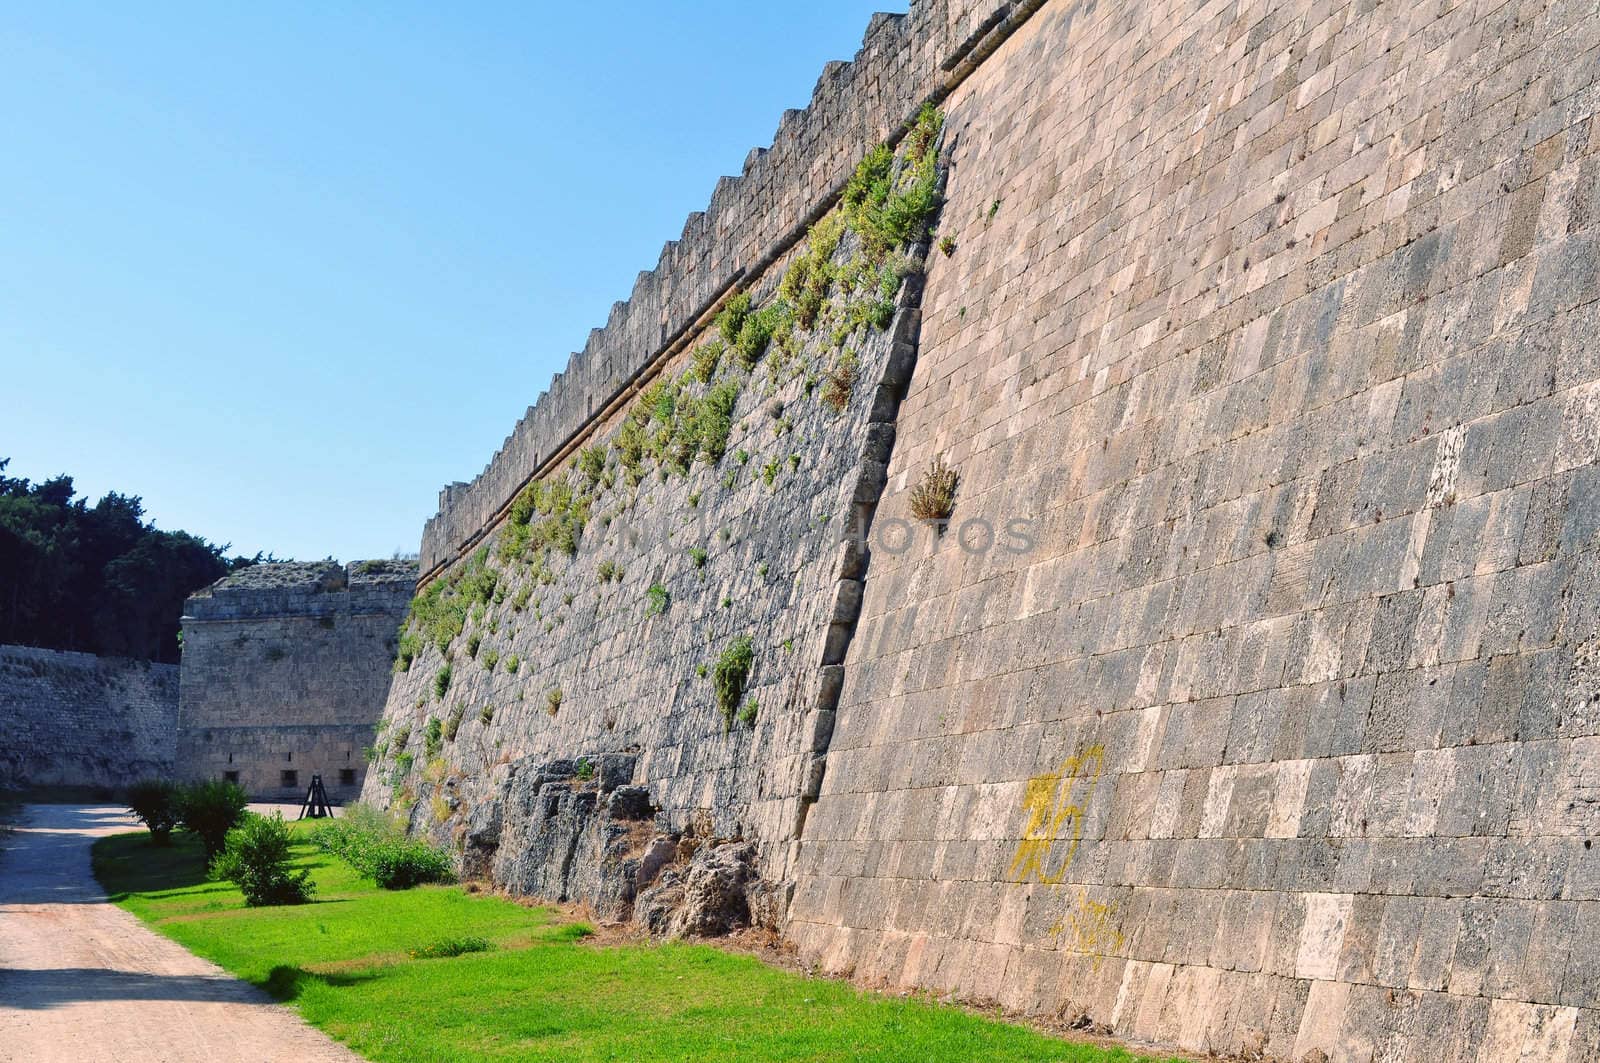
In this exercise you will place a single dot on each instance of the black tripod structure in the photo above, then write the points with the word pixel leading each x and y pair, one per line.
pixel 315 805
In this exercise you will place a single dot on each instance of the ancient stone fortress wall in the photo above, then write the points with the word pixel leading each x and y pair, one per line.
pixel 284 673
pixel 74 721
pixel 1280 321
pixel 752 220
pixel 1275 325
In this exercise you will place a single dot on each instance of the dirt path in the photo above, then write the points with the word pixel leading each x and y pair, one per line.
pixel 81 980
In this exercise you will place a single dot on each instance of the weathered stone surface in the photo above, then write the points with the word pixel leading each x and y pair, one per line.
pixel 284 673
pixel 81 722
pixel 1263 718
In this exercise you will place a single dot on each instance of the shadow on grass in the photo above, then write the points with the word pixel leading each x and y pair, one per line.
pixel 286 982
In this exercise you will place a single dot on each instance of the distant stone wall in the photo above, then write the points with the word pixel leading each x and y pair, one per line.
pixel 285 668
pixel 77 721
pixel 751 220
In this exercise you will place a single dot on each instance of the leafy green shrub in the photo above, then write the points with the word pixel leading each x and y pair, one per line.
pixel 513 663
pixel 729 675
pixel 706 358
pixel 255 857
pixel 732 317
pixel 585 769
pixel 592 463
pixel 449 947
pixel 378 849
pixel 747 715
pixel 441 682
pixel 432 738
pixel 715 421
pixel 156 803
pixel 489 659
pixel 211 809
pixel 658 596
pixel 698 556
pixel 410 646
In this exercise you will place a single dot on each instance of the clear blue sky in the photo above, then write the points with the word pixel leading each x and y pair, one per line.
pixel 285 269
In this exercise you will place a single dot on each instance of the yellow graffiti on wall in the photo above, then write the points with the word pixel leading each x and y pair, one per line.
pixel 1055 802
pixel 1092 928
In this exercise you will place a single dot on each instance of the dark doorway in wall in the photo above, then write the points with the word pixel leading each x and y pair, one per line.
pixel 347 776
pixel 231 776
pixel 289 778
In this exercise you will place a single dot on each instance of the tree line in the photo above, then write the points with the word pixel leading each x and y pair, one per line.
pixel 97 578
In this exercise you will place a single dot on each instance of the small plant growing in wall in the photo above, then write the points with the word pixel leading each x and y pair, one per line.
pixel 486 715
pixel 747 715
pixel 947 244
pixel 513 663
pixel 490 658
pixel 473 642
pixel 729 675
pixel 840 382
pixel 452 723
pixel 585 769
pixel 698 556
pixel 552 701
pixel 933 499
pixel 609 571
pixel 432 737
pixel 658 598
pixel 441 682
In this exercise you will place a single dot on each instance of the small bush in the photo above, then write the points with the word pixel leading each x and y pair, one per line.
pixel 432 737
pixel 608 571
pixel 473 642
pixel 441 682
pixel 934 498
pixel 489 659
pixel 729 675
pixel 448 947
pixel 698 556
pixel 552 701
pixel 486 715
pixel 592 463
pixel 156 803
pixel 731 319
pixel 376 847
pixel 513 663
pixel 211 809
pixel 585 769
pixel 255 858
pixel 747 715
pixel 658 598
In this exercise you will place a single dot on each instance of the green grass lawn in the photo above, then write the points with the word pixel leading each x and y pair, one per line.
pixel 541 992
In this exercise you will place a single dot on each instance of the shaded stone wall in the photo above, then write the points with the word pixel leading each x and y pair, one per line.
pixel 1280 322
pixel 75 721
pixel 285 668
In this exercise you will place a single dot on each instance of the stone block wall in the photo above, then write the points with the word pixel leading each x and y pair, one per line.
pixel 1248 705
pixel 77 722
pixel 284 673
pixel 1280 323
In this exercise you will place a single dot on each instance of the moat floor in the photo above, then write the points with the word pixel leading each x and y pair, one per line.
pixel 82 980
